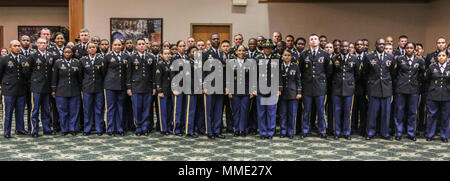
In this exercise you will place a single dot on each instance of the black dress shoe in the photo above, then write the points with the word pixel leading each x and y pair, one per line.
pixel 243 134
pixel 398 138
pixel 146 133
pixel 73 133
pixel 369 137
pixel 21 132
pixel 192 136
pixel 110 134
pixel 122 133
pixel 262 137
pixel 229 131
pixel 7 136
pixel 429 139
pixel 387 138
pixel 336 137
pixel 211 137
pixel 303 136
pixel 34 135
pixel 412 138
pixel 99 134
pixel 166 133
pixel 179 134
pixel 323 136
pixel 291 136
pixel 219 136
pixel 348 137
pixel 236 134
pixel 269 137
pixel 85 134
pixel 64 133
pixel 53 132
pixel 138 133
pixel 445 140
pixel 47 133
pixel 282 136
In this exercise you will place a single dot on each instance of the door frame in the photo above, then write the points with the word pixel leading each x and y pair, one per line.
pixel 211 24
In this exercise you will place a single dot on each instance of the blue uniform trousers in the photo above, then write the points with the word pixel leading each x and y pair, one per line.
pixel 94 106
pixel 438 112
pixel 114 110
pixel 375 105
pixel 239 105
pixel 40 102
pixel 11 104
pixel 405 112
pixel 69 110
pixel 141 110
pixel 288 116
pixel 319 103
pixel 343 106
pixel 266 117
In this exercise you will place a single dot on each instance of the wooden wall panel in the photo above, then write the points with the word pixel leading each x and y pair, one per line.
pixel 75 18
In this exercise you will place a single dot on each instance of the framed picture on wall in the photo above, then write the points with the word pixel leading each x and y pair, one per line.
pixel 135 28
pixel 34 31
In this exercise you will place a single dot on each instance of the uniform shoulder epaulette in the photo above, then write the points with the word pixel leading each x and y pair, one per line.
pixel 304 50
pixel 276 56
pixel 259 56
pixel 83 57
pixel 76 60
pixel 59 60
pixel 401 56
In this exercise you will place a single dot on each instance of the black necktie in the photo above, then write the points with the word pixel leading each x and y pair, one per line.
pixel 359 57
pixel 314 54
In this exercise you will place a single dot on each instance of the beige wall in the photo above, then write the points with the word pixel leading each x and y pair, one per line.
pixel 438 23
pixel 350 21
pixel 177 15
pixel 11 17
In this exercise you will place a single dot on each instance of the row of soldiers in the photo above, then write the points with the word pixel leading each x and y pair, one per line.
pixel 113 85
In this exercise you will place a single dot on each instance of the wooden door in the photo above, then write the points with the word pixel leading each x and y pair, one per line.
pixel 1 37
pixel 203 31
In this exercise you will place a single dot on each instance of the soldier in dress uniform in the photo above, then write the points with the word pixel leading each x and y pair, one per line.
pixel 39 72
pixel 292 92
pixel 128 121
pixel 163 88
pixel 213 101
pixel 252 122
pixel 66 88
pixel 80 50
pixel 402 40
pixel 229 53
pixel 26 51
pixel 345 74
pixel 104 47
pixel 408 75
pixel 438 103
pixel 267 109
pixel 13 89
pixel 93 69
pixel 141 87
pixel 315 67
pixel 240 100
pixel 378 69
pixel 116 63
pixel 190 97
pixel 359 113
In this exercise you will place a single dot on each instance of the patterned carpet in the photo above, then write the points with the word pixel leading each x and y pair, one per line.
pixel 157 147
